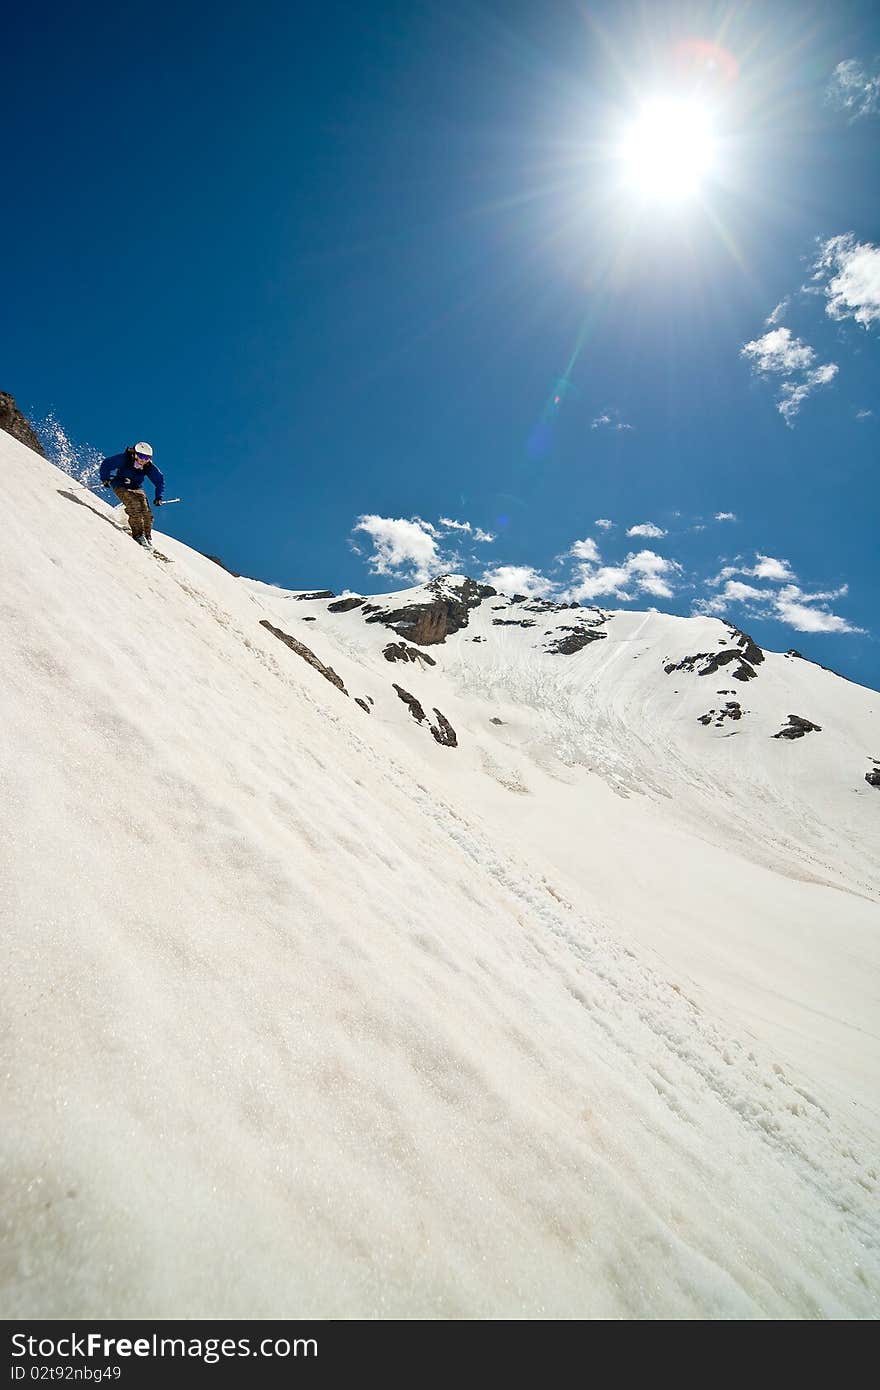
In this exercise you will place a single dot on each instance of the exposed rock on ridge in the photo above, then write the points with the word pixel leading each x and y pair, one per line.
pixel 797 727
pixel 427 624
pixel 16 424
pixel 307 655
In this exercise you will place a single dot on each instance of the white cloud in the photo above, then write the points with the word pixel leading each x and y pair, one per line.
pixel 736 591
pixel 413 548
pixel 794 394
pixel 778 351
pixel 400 547
pixel 765 567
pixel 854 289
pixel 710 607
pixel 603 523
pixel 864 414
pixel 609 579
pixel 791 591
pixel 789 604
pixel 519 579
pixel 726 573
pixel 599 421
pixel 586 550
pixel 853 88
pixel 799 613
pixel 769 568
pixel 725 516
pixel 644 571
pixel 647 529
pixel 465 526
pixel 777 313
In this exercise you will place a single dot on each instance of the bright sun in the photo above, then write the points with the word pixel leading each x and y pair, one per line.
pixel 668 149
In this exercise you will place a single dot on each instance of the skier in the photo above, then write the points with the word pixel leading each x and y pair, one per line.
pixel 125 473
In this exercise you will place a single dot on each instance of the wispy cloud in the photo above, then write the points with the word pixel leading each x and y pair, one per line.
pixel 643 572
pixel 586 550
pixel 519 579
pixel 603 523
pixel 864 414
pixel 400 548
pixel 725 516
pixel 779 352
pixel 455 525
pixel 853 289
pixel 646 529
pixel 805 613
pixel 610 421
pixel 778 312
pixel 794 394
pixel 486 536
pixel 767 567
pixel 789 604
pixel 853 88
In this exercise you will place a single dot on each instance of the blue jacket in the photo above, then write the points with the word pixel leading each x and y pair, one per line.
pixel 121 472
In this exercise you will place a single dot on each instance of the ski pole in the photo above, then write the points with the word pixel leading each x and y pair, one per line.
pixel 100 487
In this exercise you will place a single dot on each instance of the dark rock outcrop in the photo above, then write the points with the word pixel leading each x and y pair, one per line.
pixel 715 660
pixel 873 777
pixel 751 652
pixel 319 593
pixel 16 424
pixel 732 710
pixel 399 651
pixel 443 731
pixel 426 624
pixel 307 655
pixel 344 605
pixel 415 707
pixel 797 727
pixel 513 622
pixel 363 704
pixel 577 638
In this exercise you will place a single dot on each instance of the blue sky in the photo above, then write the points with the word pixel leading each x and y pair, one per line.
pixel 382 264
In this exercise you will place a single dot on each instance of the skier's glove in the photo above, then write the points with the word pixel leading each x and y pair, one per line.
pixel 157 502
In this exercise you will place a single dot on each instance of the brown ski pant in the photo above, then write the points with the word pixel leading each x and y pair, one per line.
pixel 137 508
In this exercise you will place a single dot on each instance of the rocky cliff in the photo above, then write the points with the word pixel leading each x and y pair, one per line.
pixel 14 423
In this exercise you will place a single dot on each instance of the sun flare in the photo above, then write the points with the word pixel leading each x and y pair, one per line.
pixel 668 150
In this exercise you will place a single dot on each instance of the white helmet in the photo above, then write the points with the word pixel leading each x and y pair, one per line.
pixel 145 450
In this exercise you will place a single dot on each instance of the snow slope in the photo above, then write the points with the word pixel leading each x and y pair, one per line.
pixel 308 1015
pixel 749 862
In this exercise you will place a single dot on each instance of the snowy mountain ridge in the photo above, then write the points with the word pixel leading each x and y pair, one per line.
pixel 557 1000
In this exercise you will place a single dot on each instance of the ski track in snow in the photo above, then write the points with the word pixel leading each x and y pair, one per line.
pixel 347 1051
